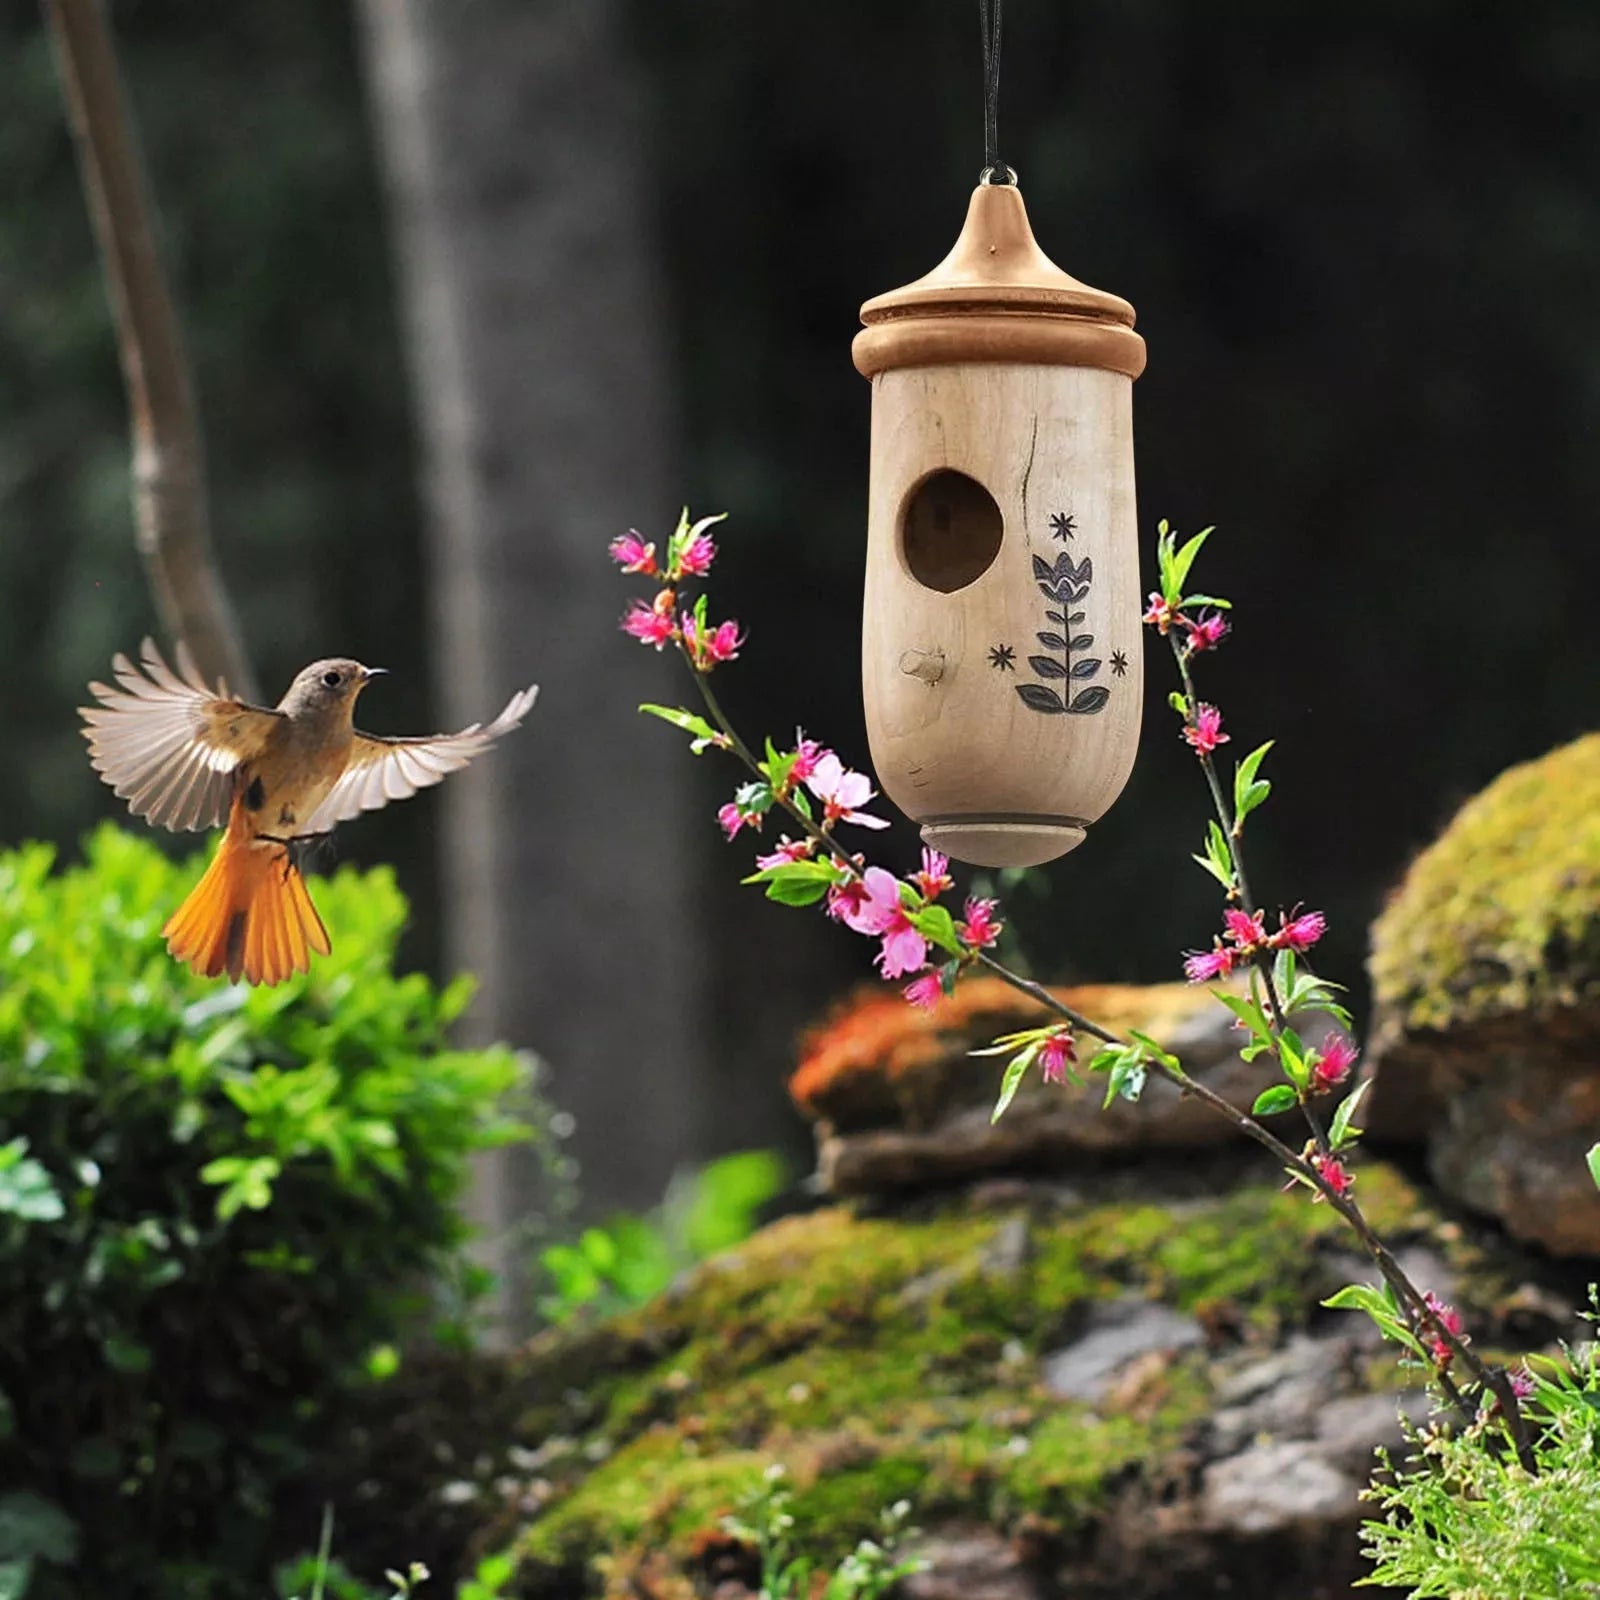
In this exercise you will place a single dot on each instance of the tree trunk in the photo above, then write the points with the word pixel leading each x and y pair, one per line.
pixel 533 301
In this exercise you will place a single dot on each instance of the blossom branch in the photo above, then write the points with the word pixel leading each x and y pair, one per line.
pixel 905 915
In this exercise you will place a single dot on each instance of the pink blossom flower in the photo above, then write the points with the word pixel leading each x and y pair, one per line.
pixel 1207 632
pixel 632 554
pixel 1299 932
pixel 697 556
pixel 1059 1053
pixel 1521 1381
pixel 1335 1174
pixel 981 928
pixel 878 909
pixel 925 990
pixel 732 819
pixel 1159 614
pixel 726 642
pixel 1205 733
pixel 842 792
pixel 722 643
pixel 1449 1319
pixel 787 850
pixel 846 903
pixel 1202 966
pixel 1244 928
pixel 807 753
pixel 904 950
pixel 868 903
pixel 652 624
pixel 935 877
pixel 1331 1065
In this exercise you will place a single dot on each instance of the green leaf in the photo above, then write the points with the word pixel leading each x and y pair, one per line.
pixel 753 799
pixel 1154 1051
pixel 26 1188
pixel 33 1528
pixel 1381 1309
pixel 1248 791
pixel 704 734
pixel 1340 1133
pixel 247 1182
pixel 1126 1079
pixel 1594 1165
pixel 797 883
pixel 1292 1058
pixel 1208 600
pixel 1178 564
pixel 125 1354
pixel 938 927
pixel 1179 703
pixel 1280 1097
pixel 1249 1012
pixel 1016 1070
pixel 1283 975
pixel 1005 1043
pixel 1218 859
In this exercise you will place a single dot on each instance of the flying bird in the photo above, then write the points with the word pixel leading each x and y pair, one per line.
pixel 190 757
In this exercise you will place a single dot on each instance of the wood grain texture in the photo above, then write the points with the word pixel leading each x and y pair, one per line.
pixel 992 779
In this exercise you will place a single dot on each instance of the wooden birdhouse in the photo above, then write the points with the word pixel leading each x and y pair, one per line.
pixel 1001 655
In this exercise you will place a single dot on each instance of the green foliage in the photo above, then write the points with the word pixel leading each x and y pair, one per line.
pixel 1464 1521
pixel 216 1204
pixel 766 1521
pixel 633 1258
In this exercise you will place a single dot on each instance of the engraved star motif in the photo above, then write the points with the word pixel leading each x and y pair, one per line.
pixel 1119 663
pixel 1003 657
pixel 1062 526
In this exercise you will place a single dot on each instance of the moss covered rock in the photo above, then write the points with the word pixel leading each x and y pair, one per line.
pixel 1486 974
pixel 1501 915
pixel 921 1354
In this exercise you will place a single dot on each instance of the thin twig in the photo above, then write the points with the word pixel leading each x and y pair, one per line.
pixel 1419 1314
pixel 171 526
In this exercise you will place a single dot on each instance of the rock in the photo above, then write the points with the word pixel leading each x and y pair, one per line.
pixel 1486 975
pixel 1271 1488
pixel 1115 1335
pixel 1351 1428
pixel 973 1563
pixel 1032 1376
pixel 1280 1397
pixel 900 1103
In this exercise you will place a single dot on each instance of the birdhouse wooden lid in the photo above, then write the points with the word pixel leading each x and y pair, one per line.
pixel 997 297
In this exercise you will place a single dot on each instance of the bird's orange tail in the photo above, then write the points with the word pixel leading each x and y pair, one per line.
pixel 250 916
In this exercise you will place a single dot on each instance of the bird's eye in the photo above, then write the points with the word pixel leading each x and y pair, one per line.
pixel 331 679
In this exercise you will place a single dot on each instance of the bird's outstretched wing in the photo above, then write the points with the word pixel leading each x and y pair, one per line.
pixel 380 770
pixel 168 744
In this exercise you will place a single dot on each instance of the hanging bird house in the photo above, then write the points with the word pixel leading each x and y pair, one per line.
pixel 1001 648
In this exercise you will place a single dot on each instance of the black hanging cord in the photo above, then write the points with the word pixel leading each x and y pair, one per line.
pixel 994 169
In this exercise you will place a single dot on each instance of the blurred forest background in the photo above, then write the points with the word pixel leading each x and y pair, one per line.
pixel 472 285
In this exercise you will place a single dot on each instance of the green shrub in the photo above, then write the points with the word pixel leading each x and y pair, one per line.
pixel 1464 1521
pixel 218 1206
pixel 631 1259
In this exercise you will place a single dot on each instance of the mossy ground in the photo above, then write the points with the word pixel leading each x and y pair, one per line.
pixel 1502 913
pixel 889 1356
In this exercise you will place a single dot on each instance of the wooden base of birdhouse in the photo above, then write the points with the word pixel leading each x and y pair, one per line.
pixel 1003 841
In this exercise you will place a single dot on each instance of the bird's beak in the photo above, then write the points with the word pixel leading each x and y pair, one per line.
pixel 369 673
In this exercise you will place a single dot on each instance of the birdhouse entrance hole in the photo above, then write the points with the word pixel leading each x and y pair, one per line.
pixel 950 531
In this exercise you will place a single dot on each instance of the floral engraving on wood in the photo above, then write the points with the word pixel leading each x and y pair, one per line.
pixel 1066 583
